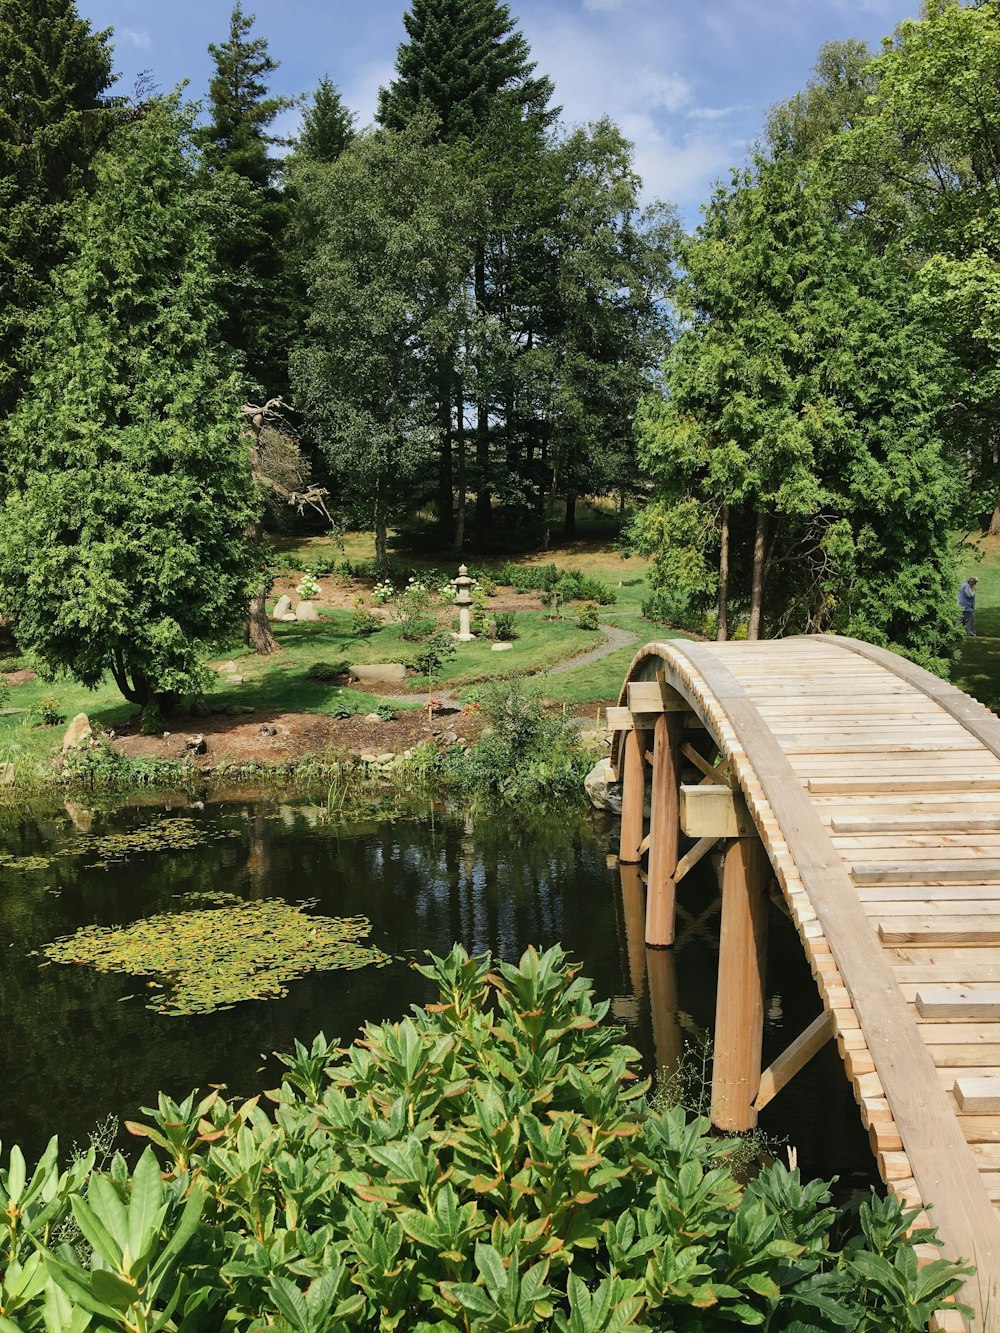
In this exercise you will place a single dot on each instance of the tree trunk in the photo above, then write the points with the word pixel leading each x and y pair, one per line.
pixel 569 522
pixel 446 480
pixel 257 631
pixel 757 588
pixel 381 543
pixel 484 500
pixel 995 521
pixel 722 630
pixel 460 443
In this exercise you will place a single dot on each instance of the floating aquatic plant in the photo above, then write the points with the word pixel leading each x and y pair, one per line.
pixel 26 864
pixel 165 835
pixel 212 958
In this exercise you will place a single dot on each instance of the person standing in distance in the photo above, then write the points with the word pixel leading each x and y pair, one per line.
pixel 967 605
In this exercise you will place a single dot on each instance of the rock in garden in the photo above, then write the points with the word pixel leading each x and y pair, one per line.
pixel 373 717
pixel 196 745
pixel 225 668
pixel 289 615
pixel 386 758
pixel 245 708
pixel 281 608
pixel 450 736
pixel 306 611
pixel 369 759
pixel 200 709
pixel 378 673
pixel 501 647
pixel 603 793
pixel 77 732
pixel 234 680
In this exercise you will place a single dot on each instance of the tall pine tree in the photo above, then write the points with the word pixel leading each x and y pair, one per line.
pixel 123 536
pixel 55 72
pixel 236 146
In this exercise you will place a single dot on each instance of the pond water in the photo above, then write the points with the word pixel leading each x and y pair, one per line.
pixel 76 1044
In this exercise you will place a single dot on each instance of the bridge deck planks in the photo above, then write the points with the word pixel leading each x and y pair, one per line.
pixel 876 789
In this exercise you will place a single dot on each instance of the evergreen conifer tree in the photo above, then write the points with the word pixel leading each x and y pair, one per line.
pixel 123 535
pixel 327 125
pixel 54 112
pixel 237 151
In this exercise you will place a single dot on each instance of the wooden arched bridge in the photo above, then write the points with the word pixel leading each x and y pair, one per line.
pixel 870 791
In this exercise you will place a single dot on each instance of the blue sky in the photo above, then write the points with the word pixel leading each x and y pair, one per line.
pixel 689 81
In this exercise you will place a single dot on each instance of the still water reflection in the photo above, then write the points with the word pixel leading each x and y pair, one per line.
pixel 75 1044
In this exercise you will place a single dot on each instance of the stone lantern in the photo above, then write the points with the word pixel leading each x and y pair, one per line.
pixel 463 600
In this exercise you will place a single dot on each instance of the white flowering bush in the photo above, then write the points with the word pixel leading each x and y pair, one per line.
pixel 383 592
pixel 308 588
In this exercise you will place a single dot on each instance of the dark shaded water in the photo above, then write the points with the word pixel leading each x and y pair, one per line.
pixel 76 1045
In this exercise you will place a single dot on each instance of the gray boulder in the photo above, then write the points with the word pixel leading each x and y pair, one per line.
pixel 281 608
pixel 306 611
pixel 379 673
pixel 602 792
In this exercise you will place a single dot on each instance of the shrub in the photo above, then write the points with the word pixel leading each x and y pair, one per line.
pixel 363 621
pixel 308 588
pixel 589 617
pixel 596 590
pixel 99 765
pixel 439 649
pixel 409 608
pixel 524 754
pixel 487 1163
pixel 328 673
pixel 503 626
pixel 418 628
pixel 151 721
pixel 385 711
pixel 49 711
pixel 479 620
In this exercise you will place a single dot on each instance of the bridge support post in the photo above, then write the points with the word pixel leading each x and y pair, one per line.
pixel 633 798
pixel 739 1010
pixel 664 831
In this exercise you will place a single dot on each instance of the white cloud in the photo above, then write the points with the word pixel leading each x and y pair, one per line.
pixel 135 37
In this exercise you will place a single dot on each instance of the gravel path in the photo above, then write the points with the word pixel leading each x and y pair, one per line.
pixel 614 638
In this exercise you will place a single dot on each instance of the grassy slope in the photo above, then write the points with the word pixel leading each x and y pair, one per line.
pixel 978 671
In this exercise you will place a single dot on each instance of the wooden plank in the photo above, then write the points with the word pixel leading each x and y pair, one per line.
pixel 793 1058
pixel 940 930
pixel 876 783
pixel 978 1096
pixel 715 811
pixel 973 871
pixel 919 823
pixel 935 1146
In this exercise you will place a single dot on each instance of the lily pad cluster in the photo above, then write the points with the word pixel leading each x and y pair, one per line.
pixel 176 834
pixel 212 958
pixel 26 864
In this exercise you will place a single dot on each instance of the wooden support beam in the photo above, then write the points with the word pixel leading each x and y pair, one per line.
pixel 654 696
pixel 633 799
pixel 691 858
pixel 792 1059
pixel 713 810
pixel 710 770
pixel 661 975
pixel 620 719
pixel 739 1010
pixel 664 832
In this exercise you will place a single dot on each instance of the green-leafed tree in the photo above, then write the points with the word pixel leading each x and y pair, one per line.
pixel 252 218
pixel 797 449
pixel 385 295
pixel 55 72
pixel 933 132
pixel 122 539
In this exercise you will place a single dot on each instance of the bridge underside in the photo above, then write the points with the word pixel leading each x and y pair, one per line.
pixel 870 790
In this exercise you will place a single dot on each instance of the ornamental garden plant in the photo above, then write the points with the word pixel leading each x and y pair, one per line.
pixel 489 1162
